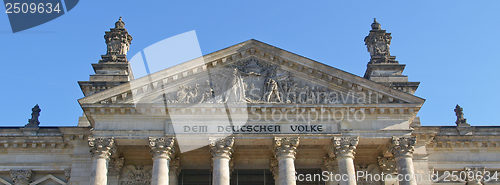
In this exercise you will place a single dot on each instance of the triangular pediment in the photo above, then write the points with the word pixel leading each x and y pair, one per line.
pixel 251 72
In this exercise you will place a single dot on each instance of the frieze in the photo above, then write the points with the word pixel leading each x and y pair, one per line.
pixel 253 81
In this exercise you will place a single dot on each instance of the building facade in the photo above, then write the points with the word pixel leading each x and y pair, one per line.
pixel 249 114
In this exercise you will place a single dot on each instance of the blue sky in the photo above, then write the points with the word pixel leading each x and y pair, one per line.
pixel 451 47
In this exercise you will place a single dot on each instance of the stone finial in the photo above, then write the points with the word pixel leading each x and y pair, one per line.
pixel 461 121
pixel 286 146
pixel 376 25
pixel 222 147
pixel 118 43
pixel 345 146
pixel 162 146
pixel 119 24
pixel 21 176
pixel 403 146
pixel 378 44
pixel 35 113
pixel 101 147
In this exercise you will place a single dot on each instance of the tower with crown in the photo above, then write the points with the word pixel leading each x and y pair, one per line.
pixel 382 67
pixel 113 69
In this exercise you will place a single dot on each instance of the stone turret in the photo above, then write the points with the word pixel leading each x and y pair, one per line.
pixel 384 68
pixel 113 69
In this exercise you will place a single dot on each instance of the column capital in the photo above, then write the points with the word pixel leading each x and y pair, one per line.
pixel 344 146
pixel 285 146
pixel 101 147
pixel 162 147
pixel 403 146
pixel 222 147
pixel 21 176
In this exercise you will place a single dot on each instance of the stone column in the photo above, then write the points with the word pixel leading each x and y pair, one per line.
pixel 331 166
pixel 285 149
pixel 402 149
pixel 273 167
pixel 21 176
pixel 101 149
pixel 162 149
pixel 221 150
pixel 115 165
pixel 175 170
pixel 344 152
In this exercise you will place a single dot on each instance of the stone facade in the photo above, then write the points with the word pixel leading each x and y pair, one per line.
pixel 248 114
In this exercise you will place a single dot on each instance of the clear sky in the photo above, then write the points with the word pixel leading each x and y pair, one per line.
pixel 451 47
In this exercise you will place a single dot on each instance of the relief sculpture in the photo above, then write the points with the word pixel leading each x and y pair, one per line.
pixel 253 81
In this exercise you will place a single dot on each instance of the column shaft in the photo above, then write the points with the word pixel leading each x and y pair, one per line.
pixel 99 171
pixel 286 171
pixel 405 167
pixel 221 171
pixel 160 171
pixel 346 169
pixel 173 177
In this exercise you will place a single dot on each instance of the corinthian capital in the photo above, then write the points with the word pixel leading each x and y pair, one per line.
pixel 403 146
pixel 286 146
pixel 222 147
pixel 162 146
pixel 21 176
pixel 101 147
pixel 344 146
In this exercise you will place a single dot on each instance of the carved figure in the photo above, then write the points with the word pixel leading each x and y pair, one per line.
pixel 182 94
pixel 236 91
pixel 35 113
pixel 272 93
